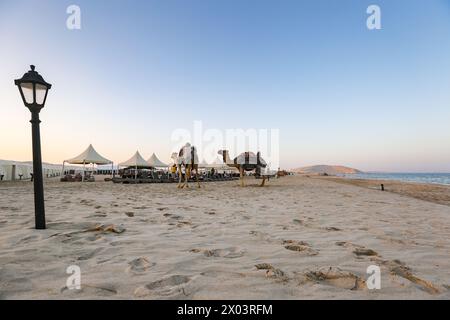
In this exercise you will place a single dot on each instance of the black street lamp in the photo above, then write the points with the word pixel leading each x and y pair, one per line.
pixel 33 90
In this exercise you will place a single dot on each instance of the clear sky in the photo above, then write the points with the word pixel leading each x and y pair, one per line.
pixel 137 70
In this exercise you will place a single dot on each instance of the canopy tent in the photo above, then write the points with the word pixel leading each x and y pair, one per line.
pixel 136 161
pixel 217 164
pixel 156 163
pixel 203 164
pixel 88 156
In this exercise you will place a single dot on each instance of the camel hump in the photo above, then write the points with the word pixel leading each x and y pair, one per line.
pixel 246 158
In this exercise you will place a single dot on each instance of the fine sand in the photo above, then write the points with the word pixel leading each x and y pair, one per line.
pixel 297 238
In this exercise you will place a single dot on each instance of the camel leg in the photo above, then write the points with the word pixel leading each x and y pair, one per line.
pixel 196 177
pixel 187 176
pixel 180 176
pixel 263 182
pixel 241 173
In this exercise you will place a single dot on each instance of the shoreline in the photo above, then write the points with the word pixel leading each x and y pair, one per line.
pixel 431 192
pixel 348 176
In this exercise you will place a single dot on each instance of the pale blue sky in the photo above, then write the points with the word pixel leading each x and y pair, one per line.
pixel 137 70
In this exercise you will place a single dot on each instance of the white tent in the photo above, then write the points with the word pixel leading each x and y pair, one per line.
pixel 217 164
pixel 136 161
pixel 203 164
pixel 17 170
pixel 6 169
pixel 23 171
pixel 156 163
pixel 88 156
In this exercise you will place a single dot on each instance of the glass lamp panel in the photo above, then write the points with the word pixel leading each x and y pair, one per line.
pixel 41 91
pixel 27 90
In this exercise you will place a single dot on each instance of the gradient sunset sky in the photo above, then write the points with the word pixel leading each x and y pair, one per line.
pixel 137 70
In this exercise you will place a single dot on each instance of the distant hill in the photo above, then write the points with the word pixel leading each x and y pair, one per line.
pixel 321 169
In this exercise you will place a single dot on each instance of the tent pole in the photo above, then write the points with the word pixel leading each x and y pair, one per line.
pixel 84 171
pixel 112 169
pixel 135 174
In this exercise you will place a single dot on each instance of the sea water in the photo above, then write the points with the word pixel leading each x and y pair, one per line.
pixel 437 178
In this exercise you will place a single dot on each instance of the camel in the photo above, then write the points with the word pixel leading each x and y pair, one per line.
pixel 187 157
pixel 246 161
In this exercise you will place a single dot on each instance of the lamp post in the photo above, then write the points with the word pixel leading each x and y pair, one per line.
pixel 33 90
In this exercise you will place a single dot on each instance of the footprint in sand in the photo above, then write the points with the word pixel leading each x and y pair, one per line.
pixel 299 246
pixel 364 252
pixel 167 286
pixel 221 253
pixel 139 265
pixel 332 229
pixel 262 236
pixel 347 244
pixel 272 272
pixel 181 224
pixel 108 228
pixel 87 202
pixel 359 251
pixel 398 268
pixel 337 278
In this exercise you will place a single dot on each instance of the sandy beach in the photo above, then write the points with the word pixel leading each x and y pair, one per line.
pixel 297 238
